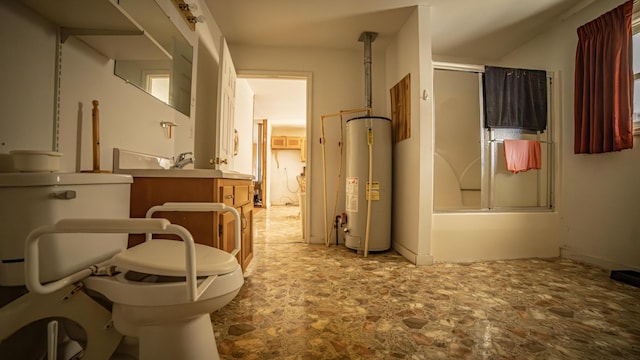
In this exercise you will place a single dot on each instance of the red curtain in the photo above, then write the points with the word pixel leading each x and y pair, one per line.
pixel 603 105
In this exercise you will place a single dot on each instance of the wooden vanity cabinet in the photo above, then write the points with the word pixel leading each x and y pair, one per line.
pixel 207 228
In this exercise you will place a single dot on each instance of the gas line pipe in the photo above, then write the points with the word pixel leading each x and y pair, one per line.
pixel 327 229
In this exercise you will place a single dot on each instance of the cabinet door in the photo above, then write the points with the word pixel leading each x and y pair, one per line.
pixel 247 235
pixel 303 149
pixel 278 142
pixel 226 194
pixel 148 192
pixel 241 194
pixel 226 108
pixel 293 143
pixel 228 233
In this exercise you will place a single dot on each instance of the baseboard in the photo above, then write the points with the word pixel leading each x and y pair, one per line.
pixel 595 261
pixel 417 259
pixel 316 240
pixel 424 260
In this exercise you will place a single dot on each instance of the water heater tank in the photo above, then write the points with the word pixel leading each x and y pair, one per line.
pixel 358 132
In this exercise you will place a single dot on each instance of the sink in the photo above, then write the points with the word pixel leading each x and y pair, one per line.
pixel 125 159
pixel 144 165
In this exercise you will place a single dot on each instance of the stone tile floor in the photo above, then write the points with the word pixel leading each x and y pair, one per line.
pixel 305 301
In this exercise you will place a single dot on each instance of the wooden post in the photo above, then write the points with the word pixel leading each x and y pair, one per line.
pixel 95 115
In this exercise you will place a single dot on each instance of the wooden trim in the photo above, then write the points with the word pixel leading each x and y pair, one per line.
pixel 263 151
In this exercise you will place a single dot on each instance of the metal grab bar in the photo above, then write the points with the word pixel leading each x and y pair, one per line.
pixel 89 226
pixel 200 207
pixel 502 140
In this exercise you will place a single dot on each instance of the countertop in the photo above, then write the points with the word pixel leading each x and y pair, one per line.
pixel 186 173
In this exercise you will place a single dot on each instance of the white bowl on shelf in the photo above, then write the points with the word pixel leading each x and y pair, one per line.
pixel 35 160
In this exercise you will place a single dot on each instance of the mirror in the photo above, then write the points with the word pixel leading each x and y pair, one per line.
pixel 168 77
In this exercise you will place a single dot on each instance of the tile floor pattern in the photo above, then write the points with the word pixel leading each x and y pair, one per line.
pixel 312 302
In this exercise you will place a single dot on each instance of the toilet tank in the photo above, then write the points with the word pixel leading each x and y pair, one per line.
pixel 30 200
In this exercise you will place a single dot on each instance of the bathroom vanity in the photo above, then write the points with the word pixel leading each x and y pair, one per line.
pixel 155 186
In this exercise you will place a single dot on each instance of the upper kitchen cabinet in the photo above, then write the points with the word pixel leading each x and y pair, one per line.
pixel 150 52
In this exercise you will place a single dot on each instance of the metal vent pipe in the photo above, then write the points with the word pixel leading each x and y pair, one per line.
pixel 367 38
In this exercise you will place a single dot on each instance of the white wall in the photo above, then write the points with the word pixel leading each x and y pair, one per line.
pixel 337 84
pixel 129 118
pixel 599 196
pixel 27 74
pixel 410 53
pixel 285 165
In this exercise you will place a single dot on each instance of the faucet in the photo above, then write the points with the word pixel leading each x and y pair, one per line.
pixel 182 160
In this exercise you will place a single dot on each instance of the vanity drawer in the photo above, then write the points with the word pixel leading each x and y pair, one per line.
pixel 227 195
pixel 241 194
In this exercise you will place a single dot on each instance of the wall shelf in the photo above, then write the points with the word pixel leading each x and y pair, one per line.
pixel 103 25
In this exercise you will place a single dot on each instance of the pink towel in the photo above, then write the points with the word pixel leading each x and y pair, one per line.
pixel 522 155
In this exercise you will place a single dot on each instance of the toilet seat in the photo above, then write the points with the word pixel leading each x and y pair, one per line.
pixel 120 290
pixel 165 257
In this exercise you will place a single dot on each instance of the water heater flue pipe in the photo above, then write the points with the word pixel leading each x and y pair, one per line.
pixel 367 38
pixel 327 230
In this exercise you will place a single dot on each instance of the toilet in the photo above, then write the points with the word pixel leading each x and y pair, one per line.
pixel 66 238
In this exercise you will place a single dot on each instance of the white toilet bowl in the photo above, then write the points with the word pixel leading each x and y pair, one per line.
pixel 159 313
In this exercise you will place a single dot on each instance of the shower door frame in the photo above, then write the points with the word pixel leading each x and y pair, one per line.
pixel 489 151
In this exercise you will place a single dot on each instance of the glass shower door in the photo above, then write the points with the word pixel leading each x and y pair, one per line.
pixel 470 171
pixel 506 189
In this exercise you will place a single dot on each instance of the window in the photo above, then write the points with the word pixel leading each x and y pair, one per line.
pixel 158 86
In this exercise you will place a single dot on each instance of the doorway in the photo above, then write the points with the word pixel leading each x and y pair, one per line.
pixel 281 114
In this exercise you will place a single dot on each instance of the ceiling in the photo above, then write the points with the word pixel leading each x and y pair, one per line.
pixel 483 30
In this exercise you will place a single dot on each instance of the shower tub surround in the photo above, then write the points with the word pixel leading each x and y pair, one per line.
pixel 305 301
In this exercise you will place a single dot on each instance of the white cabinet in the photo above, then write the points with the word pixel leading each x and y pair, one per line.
pixel 225 110
pixel 215 108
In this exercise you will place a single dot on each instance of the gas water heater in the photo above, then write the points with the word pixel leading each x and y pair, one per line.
pixel 361 134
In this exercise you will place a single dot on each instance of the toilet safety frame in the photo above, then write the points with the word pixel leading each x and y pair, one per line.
pixel 145 225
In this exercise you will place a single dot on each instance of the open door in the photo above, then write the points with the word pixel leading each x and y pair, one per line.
pixel 260 163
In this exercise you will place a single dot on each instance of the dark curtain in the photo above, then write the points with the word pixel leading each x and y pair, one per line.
pixel 603 106
pixel 515 98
